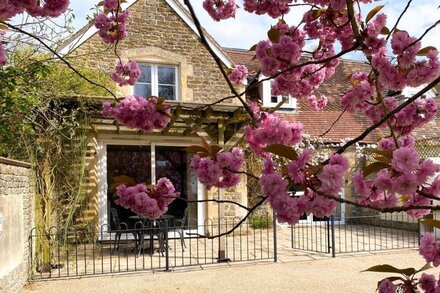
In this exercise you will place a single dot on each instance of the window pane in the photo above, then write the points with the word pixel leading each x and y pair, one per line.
pixel 167 91
pixel 274 99
pixel 166 75
pixel 173 163
pixel 143 90
pixel 131 161
pixel 145 74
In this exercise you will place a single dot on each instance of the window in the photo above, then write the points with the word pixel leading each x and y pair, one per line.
pixel 157 80
pixel 271 100
pixel 146 164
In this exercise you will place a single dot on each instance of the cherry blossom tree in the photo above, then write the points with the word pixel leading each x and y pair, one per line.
pixel 399 180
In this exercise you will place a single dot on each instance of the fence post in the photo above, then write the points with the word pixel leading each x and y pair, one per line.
pixel 333 236
pixel 165 244
pixel 275 251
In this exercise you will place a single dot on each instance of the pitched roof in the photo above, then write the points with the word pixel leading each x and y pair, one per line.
pixel 89 30
pixel 317 123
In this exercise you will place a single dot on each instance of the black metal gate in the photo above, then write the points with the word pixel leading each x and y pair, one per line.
pixel 356 234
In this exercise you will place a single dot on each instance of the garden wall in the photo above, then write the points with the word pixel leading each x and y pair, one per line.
pixel 16 221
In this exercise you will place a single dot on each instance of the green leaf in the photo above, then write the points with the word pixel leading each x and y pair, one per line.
pixel 431 223
pixel 119 180
pixel 425 51
pixel 215 149
pixel 373 12
pixel 385 31
pixel 390 269
pixel 374 168
pixel 282 151
pixel 316 13
pixel 427 266
pixel 196 149
pixel 206 145
pixel 274 35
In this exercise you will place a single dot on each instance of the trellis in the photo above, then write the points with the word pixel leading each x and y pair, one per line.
pixel 428 148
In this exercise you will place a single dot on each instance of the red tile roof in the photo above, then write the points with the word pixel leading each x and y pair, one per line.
pixel 316 123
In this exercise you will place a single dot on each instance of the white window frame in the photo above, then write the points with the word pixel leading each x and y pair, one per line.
pixel 104 221
pixel 155 78
pixel 266 94
pixel 408 92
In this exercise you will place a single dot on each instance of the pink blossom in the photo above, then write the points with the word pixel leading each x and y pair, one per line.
pixel 112 28
pixel 110 5
pixel 428 283
pixel 148 201
pixel 386 286
pixel 272 130
pixel 220 9
pixel 137 112
pixel 429 249
pixel 273 184
pixel 274 8
pixel 405 159
pixel 317 104
pixel 406 184
pixel 126 74
pixel 51 8
pixel 239 74
pixel 221 171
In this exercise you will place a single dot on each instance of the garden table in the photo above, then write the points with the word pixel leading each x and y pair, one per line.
pixel 152 227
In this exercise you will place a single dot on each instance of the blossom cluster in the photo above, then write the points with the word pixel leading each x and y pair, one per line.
pixel 239 74
pixel 362 97
pixel 409 70
pixel 219 171
pixel 111 23
pixel 316 103
pixel 148 201
pixel 50 8
pixel 429 249
pixel 274 8
pixel 273 130
pixel 140 113
pixel 126 74
pixel 403 177
pixel 289 208
pixel 220 9
pixel 428 283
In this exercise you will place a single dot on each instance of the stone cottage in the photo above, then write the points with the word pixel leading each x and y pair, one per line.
pixel 175 64
pixel 164 41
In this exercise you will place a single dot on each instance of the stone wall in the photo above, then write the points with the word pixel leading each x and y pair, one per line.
pixel 16 217
pixel 157 34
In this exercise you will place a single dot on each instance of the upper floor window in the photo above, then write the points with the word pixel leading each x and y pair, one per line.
pixel 271 100
pixel 157 80
pixel 408 92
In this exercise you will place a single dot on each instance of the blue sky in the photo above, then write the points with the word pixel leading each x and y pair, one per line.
pixel 247 29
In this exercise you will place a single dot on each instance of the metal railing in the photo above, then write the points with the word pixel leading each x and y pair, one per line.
pixel 356 234
pixel 73 253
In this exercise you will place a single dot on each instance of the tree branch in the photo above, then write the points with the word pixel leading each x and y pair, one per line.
pixel 59 57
